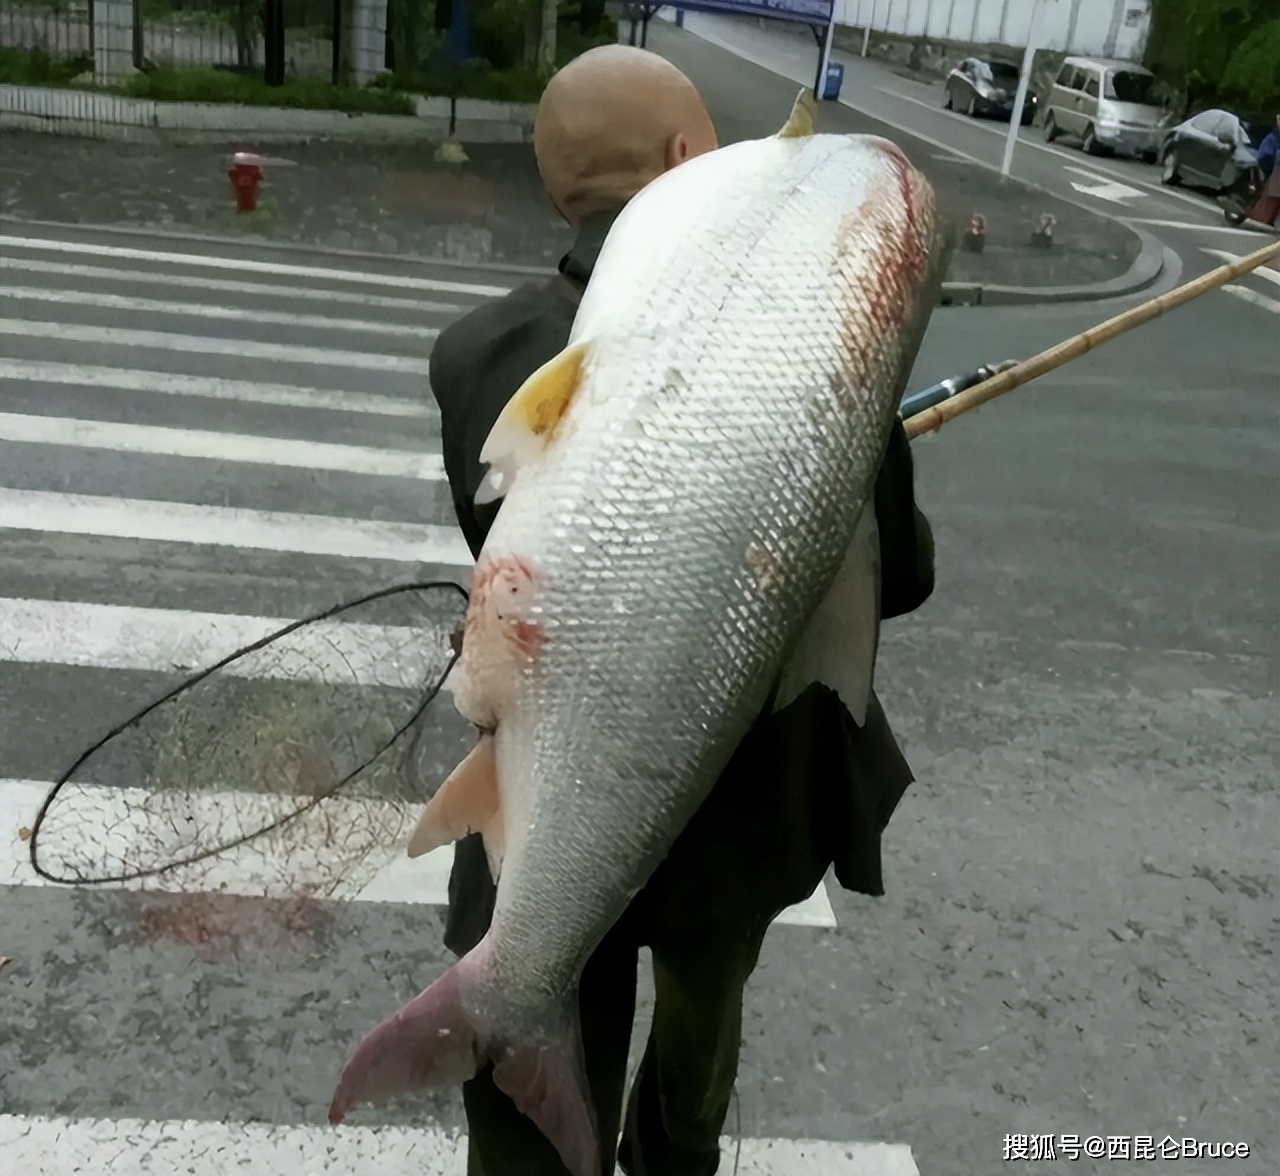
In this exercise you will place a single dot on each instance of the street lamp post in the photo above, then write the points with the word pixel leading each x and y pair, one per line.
pixel 824 55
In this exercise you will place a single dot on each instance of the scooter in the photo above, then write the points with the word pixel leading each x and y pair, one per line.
pixel 1241 196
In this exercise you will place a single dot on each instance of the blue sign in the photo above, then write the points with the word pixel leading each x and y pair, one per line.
pixel 810 12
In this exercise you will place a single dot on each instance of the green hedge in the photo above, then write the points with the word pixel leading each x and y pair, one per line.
pixel 223 86
pixel 421 68
pixel 34 67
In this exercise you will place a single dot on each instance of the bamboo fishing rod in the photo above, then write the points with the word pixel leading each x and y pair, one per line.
pixel 932 418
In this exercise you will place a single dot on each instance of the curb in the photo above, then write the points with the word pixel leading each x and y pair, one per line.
pixel 111 116
pixel 264 244
pixel 1146 268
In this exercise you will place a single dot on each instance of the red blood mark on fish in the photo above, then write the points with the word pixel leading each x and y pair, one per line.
pixel 529 636
pixel 502 591
pixel 893 224
pixel 902 173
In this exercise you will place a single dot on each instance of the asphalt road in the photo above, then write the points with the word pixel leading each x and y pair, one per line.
pixel 1123 188
pixel 197 446
pixel 1079 932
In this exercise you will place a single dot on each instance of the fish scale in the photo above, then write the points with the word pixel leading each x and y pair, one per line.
pixel 721 411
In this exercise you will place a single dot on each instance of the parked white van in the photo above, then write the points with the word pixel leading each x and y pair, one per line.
pixel 1107 105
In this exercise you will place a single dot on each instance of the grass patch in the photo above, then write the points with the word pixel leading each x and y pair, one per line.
pixel 223 86
pixel 34 67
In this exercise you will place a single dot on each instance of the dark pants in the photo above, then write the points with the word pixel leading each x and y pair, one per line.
pixel 806 788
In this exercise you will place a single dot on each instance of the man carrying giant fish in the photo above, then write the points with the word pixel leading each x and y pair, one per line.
pixel 706 509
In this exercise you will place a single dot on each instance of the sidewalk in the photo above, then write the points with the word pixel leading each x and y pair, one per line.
pixel 398 200
pixel 377 198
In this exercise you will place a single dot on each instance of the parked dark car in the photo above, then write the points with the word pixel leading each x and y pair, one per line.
pixel 1213 150
pixel 983 86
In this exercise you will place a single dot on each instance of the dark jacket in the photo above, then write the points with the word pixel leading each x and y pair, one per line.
pixel 1267 153
pixel 852 777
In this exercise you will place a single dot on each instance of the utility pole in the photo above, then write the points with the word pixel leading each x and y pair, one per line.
pixel 1024 80
pixel 547 38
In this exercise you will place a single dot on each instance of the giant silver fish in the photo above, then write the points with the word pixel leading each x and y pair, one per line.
pixel 687 522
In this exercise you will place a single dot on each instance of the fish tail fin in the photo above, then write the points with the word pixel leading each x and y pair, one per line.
pixel 436 1040
pixel 545 1076
pixel 430 1041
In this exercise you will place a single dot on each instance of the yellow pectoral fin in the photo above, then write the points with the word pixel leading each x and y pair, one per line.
pixel 802 119
pixel 529 420
pixel 467 802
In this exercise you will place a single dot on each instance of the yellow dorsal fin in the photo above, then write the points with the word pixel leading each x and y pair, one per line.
pixel 467 802
pixel 804 114
pixel 529 420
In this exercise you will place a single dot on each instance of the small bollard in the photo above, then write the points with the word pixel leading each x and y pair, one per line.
pixel 246 175
pixel 975 240
pixel 1042 238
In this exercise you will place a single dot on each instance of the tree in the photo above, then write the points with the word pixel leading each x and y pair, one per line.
pixel 1214 51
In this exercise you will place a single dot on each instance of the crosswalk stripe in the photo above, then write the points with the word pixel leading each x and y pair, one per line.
pixel 1262 271
pixel 213 388
pixel 40 1146
pixel 161 640
pixel 224 526
pixel 218 446
pixel 200 260
pixel 212 345
pixel 87 635
pixel 1253 296
pixel 152 306
pixel 203 283
pixel 389 874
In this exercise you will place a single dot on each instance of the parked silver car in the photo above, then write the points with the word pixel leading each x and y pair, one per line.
pixel 1108 105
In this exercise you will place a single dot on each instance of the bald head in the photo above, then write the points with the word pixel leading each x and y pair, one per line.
pixel 609 122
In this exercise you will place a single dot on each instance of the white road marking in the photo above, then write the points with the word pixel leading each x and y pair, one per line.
pixel 200 260
pixel 1253 296
pixel 216 446
pixel 1112 193
pixel 1261 271
pixel 239 314
pixel 1088 173
pixel 211 345
pixel 38 1146
pixel 1171 224
pixel 223 526
pixel 162 640
pixel 1108 189
pixel 203 283
pixel 126 819
pixel 213 387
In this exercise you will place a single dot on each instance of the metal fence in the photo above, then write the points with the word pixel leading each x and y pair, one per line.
pixel 61 28
pixel 308 38
pixel 177 34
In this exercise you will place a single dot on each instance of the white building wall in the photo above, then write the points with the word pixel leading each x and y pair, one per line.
pixel 1101 28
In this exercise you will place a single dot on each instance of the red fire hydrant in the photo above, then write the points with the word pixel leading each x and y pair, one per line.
pixel 246 175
